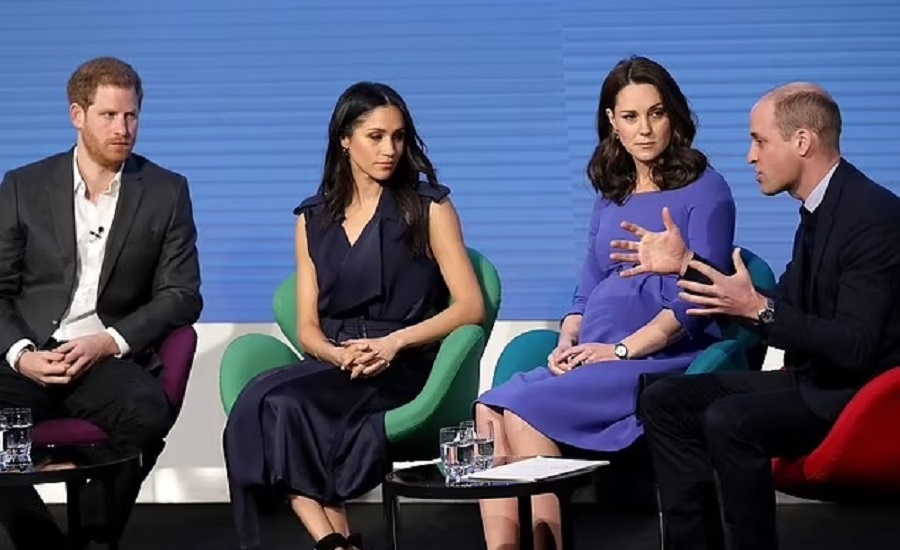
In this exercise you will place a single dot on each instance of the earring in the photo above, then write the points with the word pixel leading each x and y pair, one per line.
pixel 346 152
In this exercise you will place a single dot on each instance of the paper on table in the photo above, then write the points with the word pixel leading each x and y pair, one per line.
pixel 533 469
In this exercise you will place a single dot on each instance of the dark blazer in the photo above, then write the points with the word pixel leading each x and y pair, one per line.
pixel 851 332
pixel 150 277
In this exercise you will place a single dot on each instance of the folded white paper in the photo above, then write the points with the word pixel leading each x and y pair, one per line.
pixel 533 469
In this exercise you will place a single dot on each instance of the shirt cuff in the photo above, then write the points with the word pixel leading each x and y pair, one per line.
pixel 14 351
pixel 124 348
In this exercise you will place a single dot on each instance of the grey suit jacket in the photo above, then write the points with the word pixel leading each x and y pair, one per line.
pixel 150 277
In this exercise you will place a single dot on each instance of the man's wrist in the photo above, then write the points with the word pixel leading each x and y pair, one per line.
pixel 22 353
pixel 15 352
pixel 120 347
pixel 757 305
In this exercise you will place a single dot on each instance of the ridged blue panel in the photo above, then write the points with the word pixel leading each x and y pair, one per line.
pixel 504 92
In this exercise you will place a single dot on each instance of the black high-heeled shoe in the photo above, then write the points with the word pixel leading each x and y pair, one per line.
pixel 355 539
pixel 334 541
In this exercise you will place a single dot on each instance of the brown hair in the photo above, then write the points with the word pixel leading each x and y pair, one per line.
pixel 102 71
pixel 798 106
pixel 611 169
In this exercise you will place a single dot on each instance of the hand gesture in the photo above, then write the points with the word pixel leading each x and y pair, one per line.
pixel 82 353
pixel 379 354
pixel 584 354
pixel 662 252
pixel 732 295
pixel 44 367
pixel 556 361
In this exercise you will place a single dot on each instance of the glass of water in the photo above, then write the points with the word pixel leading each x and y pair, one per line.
pixel 4 460
pixel 17 437
pixel 484 445
pixel 456 453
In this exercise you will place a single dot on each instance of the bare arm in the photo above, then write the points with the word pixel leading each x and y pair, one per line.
pixel 570 329
pixel 467 307
pixel 661 331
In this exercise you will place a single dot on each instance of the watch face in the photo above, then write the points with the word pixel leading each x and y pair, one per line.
pixel 767 315
pixel 621 351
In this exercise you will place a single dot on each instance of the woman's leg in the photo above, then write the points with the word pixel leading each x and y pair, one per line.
pixel 337 516
pixel 524 440
pixel 314 517
pixel 500 517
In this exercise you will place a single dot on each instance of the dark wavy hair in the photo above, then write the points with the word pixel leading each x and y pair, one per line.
pixel 337 179
pixel 612 169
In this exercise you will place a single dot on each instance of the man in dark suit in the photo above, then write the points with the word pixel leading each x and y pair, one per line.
pixel 98 264
pixel 835 313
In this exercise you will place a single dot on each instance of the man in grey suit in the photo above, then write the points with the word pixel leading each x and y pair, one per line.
pixel 98 264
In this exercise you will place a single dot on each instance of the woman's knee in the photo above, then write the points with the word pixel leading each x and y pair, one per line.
pixel 485 413
pixel 514 425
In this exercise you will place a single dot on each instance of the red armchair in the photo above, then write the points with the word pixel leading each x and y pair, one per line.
pixel 860 457
pixel 177 355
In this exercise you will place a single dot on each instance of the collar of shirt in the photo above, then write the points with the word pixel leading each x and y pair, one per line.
pixel 80 186
pixel 818 194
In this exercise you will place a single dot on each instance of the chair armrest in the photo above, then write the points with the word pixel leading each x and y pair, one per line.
pixel 177 356
pixel 523 353
pixel 859 449
pixel 246 357
pixel 449 391
pixel 721 356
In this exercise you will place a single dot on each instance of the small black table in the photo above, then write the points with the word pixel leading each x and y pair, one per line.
pixel 73 466
pixel 428 482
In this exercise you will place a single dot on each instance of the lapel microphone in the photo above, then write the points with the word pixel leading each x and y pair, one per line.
pixel 95 236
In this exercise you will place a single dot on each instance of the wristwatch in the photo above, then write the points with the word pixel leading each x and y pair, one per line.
pixel 621 351
pixel 23 351
pixel 766 315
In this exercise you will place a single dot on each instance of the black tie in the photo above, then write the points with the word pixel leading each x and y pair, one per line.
pixel 808 221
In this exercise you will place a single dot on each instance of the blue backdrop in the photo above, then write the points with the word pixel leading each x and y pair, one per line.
pixel 238 96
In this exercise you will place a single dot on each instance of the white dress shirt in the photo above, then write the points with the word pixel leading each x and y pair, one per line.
pixel 818 194
pixel 92 224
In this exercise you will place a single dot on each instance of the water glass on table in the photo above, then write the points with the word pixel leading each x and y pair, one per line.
pixel 484 446
pixel 17 431
pixel 3 455
pixel 456 453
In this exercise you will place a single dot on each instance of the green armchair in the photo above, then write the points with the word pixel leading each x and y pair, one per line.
pixel 412 429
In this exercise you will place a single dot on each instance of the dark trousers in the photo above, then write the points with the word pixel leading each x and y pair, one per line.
pixel 123 399
pixel 730 423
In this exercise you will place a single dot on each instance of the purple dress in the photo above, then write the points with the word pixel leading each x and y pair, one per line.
pixel 593 406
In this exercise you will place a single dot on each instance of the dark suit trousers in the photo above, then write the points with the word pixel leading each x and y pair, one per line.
pixel 123 399
pixel 730 423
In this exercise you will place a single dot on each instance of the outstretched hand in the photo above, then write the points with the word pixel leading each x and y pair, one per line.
pixel 732 295
pixel 662 252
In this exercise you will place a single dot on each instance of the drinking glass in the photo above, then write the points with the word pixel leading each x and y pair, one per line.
pixel 17 437
pixel 456 453
pixel 4 456
pixel 484 446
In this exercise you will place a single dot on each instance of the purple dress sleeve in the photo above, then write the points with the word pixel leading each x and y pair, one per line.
pixel 591 274
pixel 710 234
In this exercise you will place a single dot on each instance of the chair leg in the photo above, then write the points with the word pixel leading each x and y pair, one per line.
pixel 662 520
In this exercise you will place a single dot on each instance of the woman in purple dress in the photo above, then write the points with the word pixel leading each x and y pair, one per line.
pixel 379 253
pixel 618 327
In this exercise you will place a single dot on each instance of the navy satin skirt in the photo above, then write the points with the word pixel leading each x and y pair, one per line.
pixel 308 429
